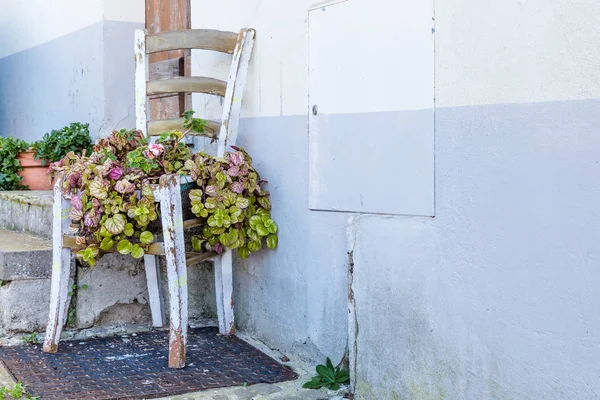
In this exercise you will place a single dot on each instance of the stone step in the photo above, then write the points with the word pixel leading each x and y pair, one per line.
pixel 24 256
pixel 25 270
pixel 27 211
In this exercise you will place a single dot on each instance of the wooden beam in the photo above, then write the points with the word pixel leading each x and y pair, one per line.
pixel 232 103
pixel 224 292
pixel 196 258
pixel 187 84
pixel 172 221
pixel 205 39
pixel 151 265
pixel 61 271
pixel 156 248
pixel 141 76
pixel 155 128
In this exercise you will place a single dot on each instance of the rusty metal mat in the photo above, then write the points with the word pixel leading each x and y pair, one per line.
pixel 135 367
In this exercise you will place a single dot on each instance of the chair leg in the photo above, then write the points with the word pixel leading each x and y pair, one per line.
pixel 172 220
pixel 224 291
pixel 151 264
pixel 61 271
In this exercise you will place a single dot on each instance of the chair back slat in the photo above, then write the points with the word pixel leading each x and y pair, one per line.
pixel 205 39
pixel 162 81
pixel 187 84
pixel 155 128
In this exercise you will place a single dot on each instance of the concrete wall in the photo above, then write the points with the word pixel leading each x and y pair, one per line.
pixel 493 297
pixel 67 61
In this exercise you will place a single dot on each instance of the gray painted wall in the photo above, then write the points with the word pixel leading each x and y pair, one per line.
pixel 84 76
pixel 493 298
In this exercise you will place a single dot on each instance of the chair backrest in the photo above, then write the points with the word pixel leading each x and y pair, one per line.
pixel 239 45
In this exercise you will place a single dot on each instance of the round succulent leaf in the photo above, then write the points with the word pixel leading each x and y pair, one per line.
pixel 242 202
pixel 252 235
pixel 76 215
pixel 197 243
pixel 137 251
pixel 261 230
pixel 115 224
pixel 212 221
pixel 255 220
pixel 107 244
pixel 124 246
pixel 128 231
pixel 196 195
pixel 98 190
pixel 272 241
pixel 224 239
pixel 211 203
pixel 254 245
pixel 146 237
pixel 270 225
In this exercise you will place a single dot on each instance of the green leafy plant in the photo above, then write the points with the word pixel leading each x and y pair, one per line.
pixel 58 143
pixel 328 377
pixel 112 196
pixel 31 338
pixel 230 200
pixel 9 164
pixel 16 392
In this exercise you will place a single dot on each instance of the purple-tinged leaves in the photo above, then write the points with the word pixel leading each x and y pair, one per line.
pixel 211 191
pixel 236 158
pixel 124 186
pixel 76 203
pixel 116 172
pixel 237 187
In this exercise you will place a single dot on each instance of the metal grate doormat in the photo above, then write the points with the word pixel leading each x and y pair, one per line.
pixel 135 367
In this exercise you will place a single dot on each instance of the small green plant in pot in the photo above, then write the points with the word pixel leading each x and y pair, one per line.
pixel 58 143
pixel 51 148
pixel 9 164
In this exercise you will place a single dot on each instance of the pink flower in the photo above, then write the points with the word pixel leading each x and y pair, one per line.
pixel 116 172
pixel 154 150
pixel 219 248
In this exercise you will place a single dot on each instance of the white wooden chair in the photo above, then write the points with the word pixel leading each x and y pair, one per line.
pixel 168 192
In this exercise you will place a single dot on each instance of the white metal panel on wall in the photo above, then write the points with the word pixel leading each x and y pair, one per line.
pixel 371 107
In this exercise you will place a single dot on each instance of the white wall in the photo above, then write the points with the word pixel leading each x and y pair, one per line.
pixel 34 22
pixel 497 52
pixel 66 61
pixel 495 297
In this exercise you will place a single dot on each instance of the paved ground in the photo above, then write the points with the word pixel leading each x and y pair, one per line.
pixel 291 390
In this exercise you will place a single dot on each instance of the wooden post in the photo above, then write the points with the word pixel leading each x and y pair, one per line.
pixel 151 265
pixel 172 220
pixel 141 77
pixel 224 292
pixel 61 269
pixel 227 136
pixel 236 83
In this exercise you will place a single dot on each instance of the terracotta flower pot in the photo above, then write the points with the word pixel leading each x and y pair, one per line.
pixel 35 175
